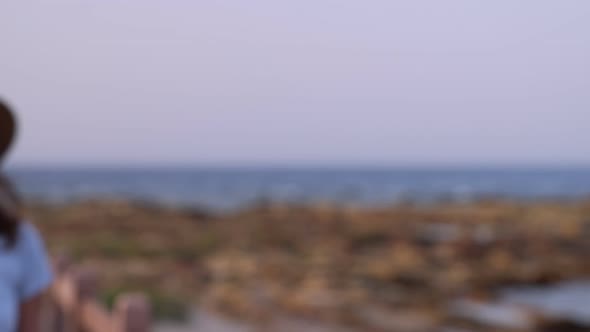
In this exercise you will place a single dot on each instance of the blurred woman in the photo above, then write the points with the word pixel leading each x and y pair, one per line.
pixel 25 272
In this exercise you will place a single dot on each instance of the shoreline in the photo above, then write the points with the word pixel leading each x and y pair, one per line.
pixel 264 203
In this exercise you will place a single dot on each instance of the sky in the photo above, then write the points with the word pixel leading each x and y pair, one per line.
pixel 307 82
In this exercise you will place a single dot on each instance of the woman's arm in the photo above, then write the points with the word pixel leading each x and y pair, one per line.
pixel 36 279
pixel 30 315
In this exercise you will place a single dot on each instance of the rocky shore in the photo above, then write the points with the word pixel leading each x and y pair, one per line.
pixel 407 267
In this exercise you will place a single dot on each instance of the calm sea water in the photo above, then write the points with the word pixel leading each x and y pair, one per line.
pixel 234 188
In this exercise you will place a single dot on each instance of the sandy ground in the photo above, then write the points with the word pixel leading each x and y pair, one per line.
pixel 211 322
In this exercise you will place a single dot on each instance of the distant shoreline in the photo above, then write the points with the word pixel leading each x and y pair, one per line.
pixel 269 204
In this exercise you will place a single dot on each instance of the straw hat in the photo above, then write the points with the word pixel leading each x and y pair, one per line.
pixel 7 129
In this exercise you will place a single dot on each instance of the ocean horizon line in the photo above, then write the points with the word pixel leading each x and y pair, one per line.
pixel 315 167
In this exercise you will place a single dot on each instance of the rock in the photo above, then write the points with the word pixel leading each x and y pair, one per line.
pixel 403 320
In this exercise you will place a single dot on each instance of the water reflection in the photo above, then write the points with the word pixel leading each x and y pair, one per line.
pixel 565 301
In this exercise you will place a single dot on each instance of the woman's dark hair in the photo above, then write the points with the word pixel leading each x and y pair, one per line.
pixel 10 205
pixel 10 212
pixel 8 129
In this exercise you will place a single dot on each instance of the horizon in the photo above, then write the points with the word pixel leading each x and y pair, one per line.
pixel 236 166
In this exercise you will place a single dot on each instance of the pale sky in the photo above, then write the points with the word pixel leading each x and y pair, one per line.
pixel 376 82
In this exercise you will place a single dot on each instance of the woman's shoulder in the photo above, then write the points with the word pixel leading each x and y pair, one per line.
pixel 28 230
pixel 37 272
pixel 29 236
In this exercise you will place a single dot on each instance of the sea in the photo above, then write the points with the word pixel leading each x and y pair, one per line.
pixel 234 188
